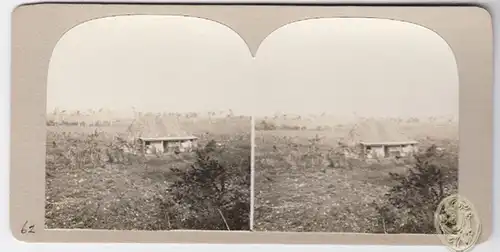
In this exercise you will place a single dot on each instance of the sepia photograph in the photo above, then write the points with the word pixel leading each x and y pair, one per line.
pixel 145 127
pixel 239 124
pixel 356 127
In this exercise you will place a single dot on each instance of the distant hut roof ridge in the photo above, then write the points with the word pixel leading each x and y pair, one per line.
pixel 375 132
pixel 157 127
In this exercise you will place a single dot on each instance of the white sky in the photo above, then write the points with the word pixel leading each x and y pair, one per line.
pixel 179 64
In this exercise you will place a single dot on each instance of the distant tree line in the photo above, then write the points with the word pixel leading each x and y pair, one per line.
pixel 268 125
pixel 98 123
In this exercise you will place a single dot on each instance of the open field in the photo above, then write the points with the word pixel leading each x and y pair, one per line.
pixel 303 183
pixel 92 183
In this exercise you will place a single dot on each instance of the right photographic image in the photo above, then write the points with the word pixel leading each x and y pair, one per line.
pixel 355 126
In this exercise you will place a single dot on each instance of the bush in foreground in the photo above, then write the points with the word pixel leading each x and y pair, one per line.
pixel 410 204
pixel 213 194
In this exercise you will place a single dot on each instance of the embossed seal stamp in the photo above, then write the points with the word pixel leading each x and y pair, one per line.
pixel 457 223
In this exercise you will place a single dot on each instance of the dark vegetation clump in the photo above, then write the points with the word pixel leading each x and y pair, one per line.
pixel 410 204
pixel 269 126
pixel 212 194
pixel 265 125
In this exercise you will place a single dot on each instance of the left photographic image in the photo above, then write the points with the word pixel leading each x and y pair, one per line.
pixel 147 126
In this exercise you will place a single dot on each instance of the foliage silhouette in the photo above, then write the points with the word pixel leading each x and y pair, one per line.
pixel 410 204
pixel 212 194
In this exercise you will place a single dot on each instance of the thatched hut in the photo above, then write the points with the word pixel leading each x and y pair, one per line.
pixel 161 134
pixel 374 139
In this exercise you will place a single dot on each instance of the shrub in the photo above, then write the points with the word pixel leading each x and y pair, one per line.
pixel 410 204
pixel 213 194
pixel 264 125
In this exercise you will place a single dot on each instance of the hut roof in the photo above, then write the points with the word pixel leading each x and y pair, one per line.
pixel 373 132
pixel 157 127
